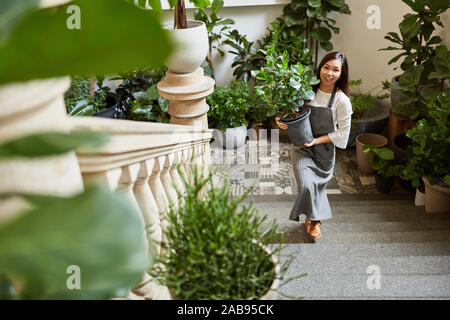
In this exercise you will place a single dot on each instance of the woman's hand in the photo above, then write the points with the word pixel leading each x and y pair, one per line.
pixel 306 145
pixel 280 124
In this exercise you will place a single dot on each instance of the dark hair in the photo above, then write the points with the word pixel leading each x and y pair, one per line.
pixel 342 83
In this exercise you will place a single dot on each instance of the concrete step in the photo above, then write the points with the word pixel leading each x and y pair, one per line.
pixel 282 216
pixel 348 286
pixel 331 226
pixel 361 209
pixel 372 237
pixel 330 251
pixel 348 265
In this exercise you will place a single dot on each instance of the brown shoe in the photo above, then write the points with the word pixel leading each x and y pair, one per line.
pixel 307 225
pixel 315 232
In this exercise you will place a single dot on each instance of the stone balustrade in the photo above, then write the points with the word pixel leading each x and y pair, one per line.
pixel 146 163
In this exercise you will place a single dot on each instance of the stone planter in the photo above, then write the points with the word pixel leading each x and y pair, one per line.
pixel 437 198
pixel 192 46
pixel 231 138
pixel 299 129
pixel 373 121
pixel 363 159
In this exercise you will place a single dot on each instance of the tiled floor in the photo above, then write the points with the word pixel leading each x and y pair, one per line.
pixel 268 169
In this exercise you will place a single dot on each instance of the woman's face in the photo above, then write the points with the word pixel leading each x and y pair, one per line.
pixel 330 72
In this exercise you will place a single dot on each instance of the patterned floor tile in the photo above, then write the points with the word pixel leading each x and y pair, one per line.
pixel 267 169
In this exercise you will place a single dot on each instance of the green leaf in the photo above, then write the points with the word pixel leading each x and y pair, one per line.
pixel 409 26
pixel 314 3
pixel 97 231
pixel 156 6
pixel 86 51
pixel 322 34
pixel 309 95
pixel 216 6
pixel 50 143
pixel 11 11
pixel 152 92
pixel 337 3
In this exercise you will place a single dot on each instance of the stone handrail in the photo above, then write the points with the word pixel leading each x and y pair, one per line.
pixel 140 161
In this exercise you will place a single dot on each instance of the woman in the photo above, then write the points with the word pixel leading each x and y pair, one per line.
pixel 313 163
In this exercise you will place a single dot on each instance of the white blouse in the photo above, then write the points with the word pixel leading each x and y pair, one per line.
pixel 342 115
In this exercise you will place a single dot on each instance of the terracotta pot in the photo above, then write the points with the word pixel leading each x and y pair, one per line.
pixel 363 159
pixel 437 198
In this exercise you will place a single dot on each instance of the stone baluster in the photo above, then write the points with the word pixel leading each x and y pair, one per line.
pixel 174 174
pixel 159 193
pixel 187 163
pixel 126 184
pixel 147 204
pixel 157 187
pixel 167 180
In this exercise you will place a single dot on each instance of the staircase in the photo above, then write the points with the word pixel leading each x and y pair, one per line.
pixel 376 246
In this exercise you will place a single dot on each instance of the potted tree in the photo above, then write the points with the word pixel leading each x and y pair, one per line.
pixel 217 249
pixel 428 156
pixel 285 88
pixel 227 113
pixel 310 19
pixel 190 36
pixel 370 115
pixel 418 48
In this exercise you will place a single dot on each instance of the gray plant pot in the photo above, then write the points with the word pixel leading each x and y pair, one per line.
pixel 232 138
pixel 373 121
pixel 299 129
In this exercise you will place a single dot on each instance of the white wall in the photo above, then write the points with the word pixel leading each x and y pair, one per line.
pixel 355 39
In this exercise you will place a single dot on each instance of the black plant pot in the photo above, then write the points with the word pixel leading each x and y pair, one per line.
pixel 399 146
pixel 406 185
pixel 108 113
pixel 299 129
pixel 384 185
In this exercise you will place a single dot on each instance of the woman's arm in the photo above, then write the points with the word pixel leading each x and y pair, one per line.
pixel 319 140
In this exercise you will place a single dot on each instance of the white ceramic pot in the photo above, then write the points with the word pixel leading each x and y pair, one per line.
pixel 420 198
pixel 234 137
pixel 192 46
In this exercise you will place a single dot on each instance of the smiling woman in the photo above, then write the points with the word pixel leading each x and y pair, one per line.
pixel 313 163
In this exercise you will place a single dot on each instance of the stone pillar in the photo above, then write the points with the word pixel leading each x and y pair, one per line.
pixel 187 93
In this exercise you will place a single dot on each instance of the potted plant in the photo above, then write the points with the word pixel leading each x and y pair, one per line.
pixel 309 18
pixel 279 36
pixel 285 88
pixel 216 27
pixel 190 36
pixel 363 159
pixel 385 171
pixel 228 107
pixel 418 47
pixel 370 115
pixel 218 249
pixel 428 157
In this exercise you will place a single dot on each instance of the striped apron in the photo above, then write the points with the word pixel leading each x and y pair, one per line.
pixel 313 168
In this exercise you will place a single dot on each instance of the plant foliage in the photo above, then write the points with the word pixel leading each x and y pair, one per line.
pixel 285 87
pixel 215 247
pixel 228 106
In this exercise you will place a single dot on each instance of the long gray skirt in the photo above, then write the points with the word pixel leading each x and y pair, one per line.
pixel 313 169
